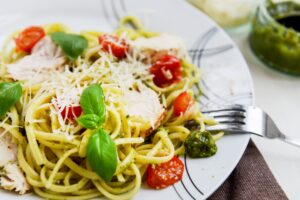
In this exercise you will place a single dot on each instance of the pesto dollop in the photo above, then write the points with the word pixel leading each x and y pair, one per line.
pixel 200 144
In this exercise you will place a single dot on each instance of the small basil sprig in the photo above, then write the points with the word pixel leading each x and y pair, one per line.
pixel 102 154
pixel 10 93
pixel 93 106
pixel 73 45
pixel 90 121
pixel 101 149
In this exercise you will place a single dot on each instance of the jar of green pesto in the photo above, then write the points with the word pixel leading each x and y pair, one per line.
pixel 275 37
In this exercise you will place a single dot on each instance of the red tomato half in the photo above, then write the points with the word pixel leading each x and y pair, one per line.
pixel 29 37
pixel 71 112
pixel 165 174
pixel 117 46
pixel 181 103
pixel 166 71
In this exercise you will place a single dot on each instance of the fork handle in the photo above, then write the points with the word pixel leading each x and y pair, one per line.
pixel 290 140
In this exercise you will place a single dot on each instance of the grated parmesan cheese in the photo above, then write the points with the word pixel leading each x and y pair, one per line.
pixel 127 76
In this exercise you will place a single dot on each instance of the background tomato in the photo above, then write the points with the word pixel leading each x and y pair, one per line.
pixel 181 103
pixel 29 37
pixel 112 43
pixel 166 71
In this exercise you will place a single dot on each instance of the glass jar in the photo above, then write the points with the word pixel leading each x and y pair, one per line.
pixel 274 39
pixel 228 13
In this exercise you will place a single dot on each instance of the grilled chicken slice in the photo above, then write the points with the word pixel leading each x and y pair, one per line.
pixel 13 179
pixel 46 57
pixel 155 47
pixel 8 150
pixel 144 103
pixel 11 176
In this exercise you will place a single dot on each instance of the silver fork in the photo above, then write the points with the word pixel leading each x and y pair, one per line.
pixel 246 119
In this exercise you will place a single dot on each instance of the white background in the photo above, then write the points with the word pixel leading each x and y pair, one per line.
pixel 279 95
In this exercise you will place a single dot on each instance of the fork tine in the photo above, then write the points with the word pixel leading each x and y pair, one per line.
pixel 226 108
pixel 230 120
pixel 227 117
pixel 225 127
pixel 220 114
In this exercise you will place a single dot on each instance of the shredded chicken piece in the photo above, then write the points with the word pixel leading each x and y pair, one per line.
pixel 46 57
pixel 13 179
pixel 145 103
pixel 8 150
pixel 11 176
pixel 155 47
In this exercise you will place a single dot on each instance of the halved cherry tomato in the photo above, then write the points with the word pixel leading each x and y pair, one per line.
pixel 29 37
pixel 166 71
pixel 111 43
pixel 181 103
pixel 71 112
pixel 165 174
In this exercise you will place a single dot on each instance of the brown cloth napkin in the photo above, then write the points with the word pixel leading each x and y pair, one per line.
pixel 252 179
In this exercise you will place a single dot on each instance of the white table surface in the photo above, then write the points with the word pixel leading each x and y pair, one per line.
pixel 279 95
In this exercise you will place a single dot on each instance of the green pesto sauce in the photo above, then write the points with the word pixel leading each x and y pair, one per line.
pixel 200 144
pixel 276 42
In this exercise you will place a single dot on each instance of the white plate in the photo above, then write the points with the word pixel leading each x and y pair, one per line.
pixel 226 78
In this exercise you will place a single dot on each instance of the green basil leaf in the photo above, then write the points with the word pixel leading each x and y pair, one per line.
pixel 92 101
pixel 102 154
pixel 73 45
pixel 10 93
pixel 90 121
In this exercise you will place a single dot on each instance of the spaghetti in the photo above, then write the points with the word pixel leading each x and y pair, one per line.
pixel 52 150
